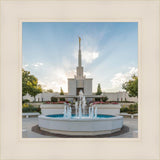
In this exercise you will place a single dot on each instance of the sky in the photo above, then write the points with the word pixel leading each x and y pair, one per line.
pixel 109 52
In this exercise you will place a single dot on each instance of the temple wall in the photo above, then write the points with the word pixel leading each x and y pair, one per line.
pixel 87 86
pixel 119 96
pixel 71 86
pixel 112 96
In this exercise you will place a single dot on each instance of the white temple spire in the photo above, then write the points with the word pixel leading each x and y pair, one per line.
pixel 79 68
pixel 79 53
pixel 79 43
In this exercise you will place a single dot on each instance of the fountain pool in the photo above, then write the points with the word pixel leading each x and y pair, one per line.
pixel 80 122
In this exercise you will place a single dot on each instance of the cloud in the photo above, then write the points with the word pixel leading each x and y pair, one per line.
pixel 70 74
pixel 88 57
pixel 53 77
pixel 87 74
pixel 25 66
pixel 56 77
pixel 44 86
pixel 38 64
pixel 120 78
pixel 33 67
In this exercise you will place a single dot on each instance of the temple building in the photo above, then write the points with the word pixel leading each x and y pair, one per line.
pixel 79 82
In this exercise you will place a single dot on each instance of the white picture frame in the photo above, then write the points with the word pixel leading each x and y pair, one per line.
pixel 146 13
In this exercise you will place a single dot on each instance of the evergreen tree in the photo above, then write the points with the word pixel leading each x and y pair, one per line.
pixel 99 91
pixel 61 91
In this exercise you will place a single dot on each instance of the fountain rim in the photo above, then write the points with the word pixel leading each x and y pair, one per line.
pixel 80 119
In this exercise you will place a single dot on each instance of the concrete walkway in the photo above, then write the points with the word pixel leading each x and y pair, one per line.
pixel 28 123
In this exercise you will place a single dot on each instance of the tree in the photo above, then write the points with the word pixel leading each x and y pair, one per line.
pixel 99 91
pixel 30 84
pixel 47 90
pixel 131 86
pixel 35 90
pixel 50 90
pixel 25 82
pixel 62 93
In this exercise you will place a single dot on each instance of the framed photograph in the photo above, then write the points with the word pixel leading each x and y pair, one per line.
pixel 76 75
pixel 66 99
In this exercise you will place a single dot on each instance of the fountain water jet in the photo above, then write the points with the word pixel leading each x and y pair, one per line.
pixel 80 109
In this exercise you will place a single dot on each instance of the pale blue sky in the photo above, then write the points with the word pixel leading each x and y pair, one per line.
pixel 109 52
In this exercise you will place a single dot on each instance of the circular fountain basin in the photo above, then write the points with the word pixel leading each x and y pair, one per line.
pixel 103 124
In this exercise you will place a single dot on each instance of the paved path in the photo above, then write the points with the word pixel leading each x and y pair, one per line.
pixel 28 123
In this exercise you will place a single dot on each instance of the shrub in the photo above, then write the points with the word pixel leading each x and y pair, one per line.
pixel 24 105
pixel 39 110
pixel 47 102
pixel 132 109
pixel 124 109
pixel 104 99
pixel 30 108
pixel 114 103
pixel 98 102
pixel 68 101
pixel 97 99
pixel 62 99
pixel 25 101
pixel 61 102
pixel 53 99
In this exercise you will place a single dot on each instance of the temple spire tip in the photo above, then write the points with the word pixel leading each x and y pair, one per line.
pixel 79 42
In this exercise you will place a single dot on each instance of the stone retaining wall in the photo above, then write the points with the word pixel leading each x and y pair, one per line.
pixel 110 109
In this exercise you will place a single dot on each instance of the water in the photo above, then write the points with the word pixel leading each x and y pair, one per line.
pixel 80 109
pixel 73 116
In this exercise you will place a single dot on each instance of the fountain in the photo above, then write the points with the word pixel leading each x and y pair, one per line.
pixel 80 122
pixel 80 109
